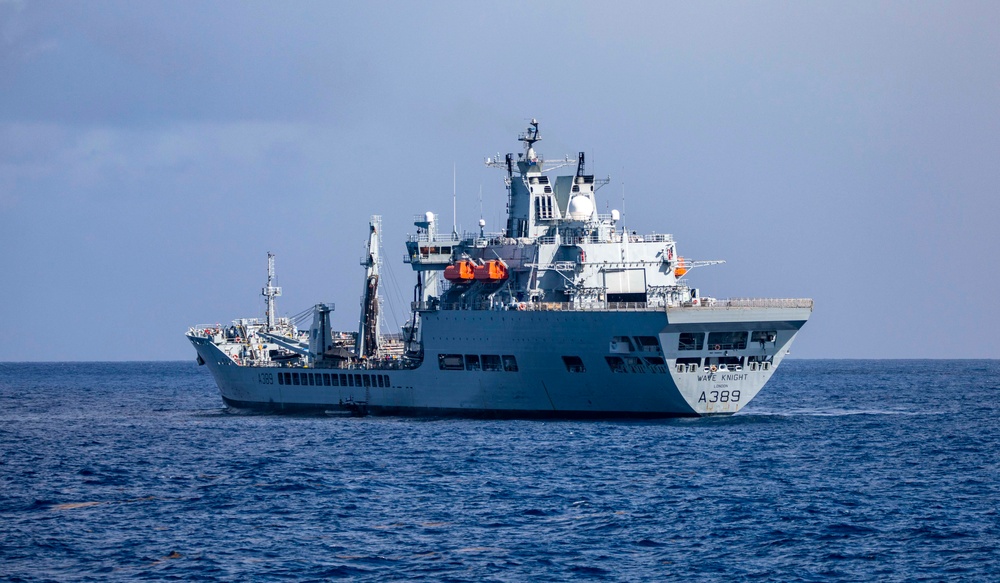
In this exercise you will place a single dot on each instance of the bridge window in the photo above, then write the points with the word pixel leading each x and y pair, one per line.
pixel 357 380
pixel 367 380
pixel 691 341
pixel 343 380
pixel 574 364
pixel 727 340
pixel 509 363
pixel 471 362
pixel 334 379
pixel 295 378
pixel 281 378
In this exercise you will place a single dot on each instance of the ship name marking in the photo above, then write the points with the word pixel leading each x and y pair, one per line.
pixel 724 377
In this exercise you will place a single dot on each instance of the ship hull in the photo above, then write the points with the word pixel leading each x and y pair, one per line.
pixel 555 364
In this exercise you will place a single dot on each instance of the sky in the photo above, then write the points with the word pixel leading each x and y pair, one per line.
pixel 152 153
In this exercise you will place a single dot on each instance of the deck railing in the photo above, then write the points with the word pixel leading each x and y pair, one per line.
pixel 615 306
pixel 764 303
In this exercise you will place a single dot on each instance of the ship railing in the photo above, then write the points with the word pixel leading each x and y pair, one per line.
pixel 595 238
pixel 476 235
pixel 602 306
pixel 204 330
pixel 763 303
pixel 424 237
pixel 537 306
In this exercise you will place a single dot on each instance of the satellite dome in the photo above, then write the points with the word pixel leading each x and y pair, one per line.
pixel 581 208
pixel 615 215
pixel 429 217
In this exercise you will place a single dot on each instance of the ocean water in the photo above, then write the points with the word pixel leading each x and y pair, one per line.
pixel 839 470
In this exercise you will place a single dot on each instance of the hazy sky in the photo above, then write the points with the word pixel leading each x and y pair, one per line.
pixel 152 153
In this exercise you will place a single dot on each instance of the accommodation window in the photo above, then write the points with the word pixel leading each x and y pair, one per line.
pixel 730 362
pixel 694 361
pixel 509 363
pixel 691 341
pixel 343 380
pixel 656 364
pixel 763 336
pixel 295 378
pixel 634 363
pixel 574 364
pixel 350 380
pixel 281 378
pixel 368 380
pixel 621 344
pixel 615 363
pixel 647 343
pixel 334 379
pixel 450 362
pixel 357 380
pixel 490 362
pixel 727 340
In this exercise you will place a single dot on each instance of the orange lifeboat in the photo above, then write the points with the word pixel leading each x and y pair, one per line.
pixel 492 270
pixel 460 271
pixel 681 268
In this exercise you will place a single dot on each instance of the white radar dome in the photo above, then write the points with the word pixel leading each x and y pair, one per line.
pixel 615 215
pixel 482 223
pixel 429 217
pixel 581 208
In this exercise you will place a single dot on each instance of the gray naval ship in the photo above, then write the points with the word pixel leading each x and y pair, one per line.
pixel 563 314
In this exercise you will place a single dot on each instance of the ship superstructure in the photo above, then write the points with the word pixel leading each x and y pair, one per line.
pixel 564 313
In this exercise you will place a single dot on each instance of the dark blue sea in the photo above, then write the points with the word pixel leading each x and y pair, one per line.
pixel 839 470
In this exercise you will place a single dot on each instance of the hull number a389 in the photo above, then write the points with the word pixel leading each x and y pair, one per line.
pixel 719 397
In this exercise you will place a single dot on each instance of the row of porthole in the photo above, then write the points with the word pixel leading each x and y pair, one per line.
pixel 315 379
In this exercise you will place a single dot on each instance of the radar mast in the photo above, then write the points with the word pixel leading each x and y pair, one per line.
pixel 270 291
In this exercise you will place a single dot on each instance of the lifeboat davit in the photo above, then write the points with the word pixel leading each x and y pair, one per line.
pixel 460 272
pixel 492 270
